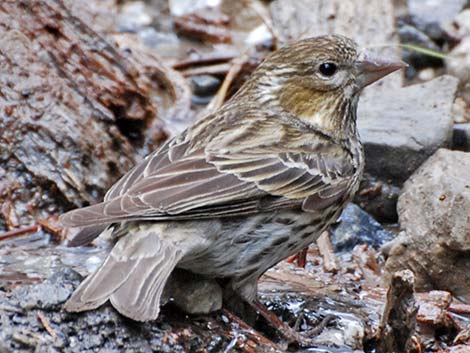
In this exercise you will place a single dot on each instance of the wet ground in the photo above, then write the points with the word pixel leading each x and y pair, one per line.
pixel 37 276
pixel 344 303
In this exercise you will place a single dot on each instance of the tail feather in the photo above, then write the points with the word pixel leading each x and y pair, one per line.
pixel 132 277
pixel 84 235
pixel 88 216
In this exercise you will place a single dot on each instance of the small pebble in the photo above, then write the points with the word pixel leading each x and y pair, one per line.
pixel 205 85
pixel 427 74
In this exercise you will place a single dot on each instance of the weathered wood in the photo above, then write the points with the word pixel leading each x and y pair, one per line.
pixel 399 318
pixel 75 111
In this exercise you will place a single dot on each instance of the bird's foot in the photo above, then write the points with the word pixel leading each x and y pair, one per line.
pixel 291 335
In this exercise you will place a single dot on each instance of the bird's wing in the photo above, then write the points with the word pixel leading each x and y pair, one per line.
pixel 240 171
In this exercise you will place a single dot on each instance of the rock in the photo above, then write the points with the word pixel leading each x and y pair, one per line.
pixel 133 16
pixel 461 137
pixel 158 40
pixel 458 61
pixel 204 87
pixel 433 308
pixel 460 26
pixel 434 213
pixel 52 293
pixel 435 11
pixel 401 130
pixel 378 198
pixel 461 111
pixel 349 332
pixel 411 35
pixel 355 227
pixel 461 348
pixel 427 74
pixel 194 294
pixel 437 32
pixel 182 7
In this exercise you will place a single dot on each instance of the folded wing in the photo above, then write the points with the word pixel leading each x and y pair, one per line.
pixel 181 182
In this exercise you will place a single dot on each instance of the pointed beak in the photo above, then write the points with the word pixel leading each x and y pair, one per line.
pixel 372 67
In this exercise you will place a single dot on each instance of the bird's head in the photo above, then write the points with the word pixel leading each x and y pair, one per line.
pixel 319 79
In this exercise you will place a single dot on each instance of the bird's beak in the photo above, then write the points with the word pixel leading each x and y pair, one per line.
pixel 372 67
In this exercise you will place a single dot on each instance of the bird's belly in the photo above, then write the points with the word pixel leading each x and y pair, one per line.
pixel 249 246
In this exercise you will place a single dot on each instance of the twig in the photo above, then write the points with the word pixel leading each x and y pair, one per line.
pixel 292 258
pixel 459 308
pixel 326 250
pixel 231 344
pixel 266 21
pixel 234 70
pixel 52 226
pixel 19 232
pixel 417 344
pixel 45 322
pixel 216 69
pixel 253 332
pixel 321 326
pixel 298 320
pixel 204 61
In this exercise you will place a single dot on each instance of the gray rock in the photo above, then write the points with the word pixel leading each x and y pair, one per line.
pixel 355 227
pixel 460 26
pixel 52 293
pixel 436 11
pixel 434 212
pixel 458 64
pixel 437 32
pixel 402 128
pixel 194 294
pixel 204 87
pixel 411 35
pixel 378 198
pixel 461 137
pixel 133 16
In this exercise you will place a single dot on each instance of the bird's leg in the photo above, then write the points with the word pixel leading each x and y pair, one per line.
pixel 284 329
pixel 300 258
pixel 233 317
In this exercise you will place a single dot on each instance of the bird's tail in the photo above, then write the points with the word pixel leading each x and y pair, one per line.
pixel 132 277
pixel 84 235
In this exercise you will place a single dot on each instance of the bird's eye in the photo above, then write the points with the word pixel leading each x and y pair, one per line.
pixel 328 69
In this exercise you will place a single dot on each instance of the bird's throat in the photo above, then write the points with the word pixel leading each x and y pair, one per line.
pixel 328 111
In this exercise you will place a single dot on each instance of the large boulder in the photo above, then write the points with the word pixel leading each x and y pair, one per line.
pixel 404 127
pixel 400 129
pixel 434 214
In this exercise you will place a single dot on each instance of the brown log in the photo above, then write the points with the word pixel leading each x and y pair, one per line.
pixel 75 111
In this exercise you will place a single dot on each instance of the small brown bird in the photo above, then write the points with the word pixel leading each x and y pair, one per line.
pixel 242 188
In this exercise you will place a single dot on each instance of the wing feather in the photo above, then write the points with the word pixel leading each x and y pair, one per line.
pixel 182 182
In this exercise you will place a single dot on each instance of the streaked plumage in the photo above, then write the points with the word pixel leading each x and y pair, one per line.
pixel 239 190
